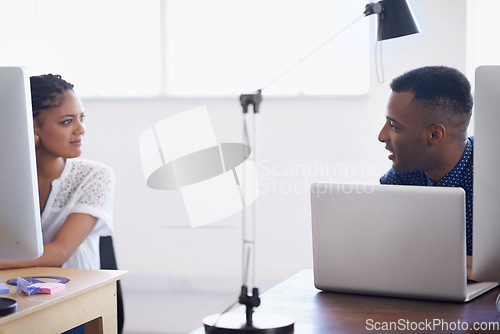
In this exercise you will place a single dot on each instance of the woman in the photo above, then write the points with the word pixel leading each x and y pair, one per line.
pixel 76 195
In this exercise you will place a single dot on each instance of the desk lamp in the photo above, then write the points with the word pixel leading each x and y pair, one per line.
pixel 395 19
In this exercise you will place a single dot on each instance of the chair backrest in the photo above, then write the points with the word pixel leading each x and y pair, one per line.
pixel 108 261
pixel 107 253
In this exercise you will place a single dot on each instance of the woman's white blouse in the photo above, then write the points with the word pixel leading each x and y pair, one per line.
pixel 84 186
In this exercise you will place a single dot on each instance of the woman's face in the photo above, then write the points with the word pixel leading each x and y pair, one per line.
pixel 61 129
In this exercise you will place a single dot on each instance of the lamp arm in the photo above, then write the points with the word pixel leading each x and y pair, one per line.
pixel 304 58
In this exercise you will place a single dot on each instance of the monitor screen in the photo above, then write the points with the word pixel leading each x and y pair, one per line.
pixel 20 227
pixel 486 207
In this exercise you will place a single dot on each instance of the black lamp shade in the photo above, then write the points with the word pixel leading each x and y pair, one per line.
pixel 395 20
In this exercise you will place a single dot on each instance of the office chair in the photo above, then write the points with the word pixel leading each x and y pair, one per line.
pixel 108 261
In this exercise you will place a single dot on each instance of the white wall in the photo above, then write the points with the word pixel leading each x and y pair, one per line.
pixel 337 134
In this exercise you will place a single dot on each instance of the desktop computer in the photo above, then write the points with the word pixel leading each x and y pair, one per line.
pixel 20 226
pixel 486 208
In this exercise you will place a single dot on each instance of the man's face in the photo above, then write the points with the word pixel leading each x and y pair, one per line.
pixel 403 134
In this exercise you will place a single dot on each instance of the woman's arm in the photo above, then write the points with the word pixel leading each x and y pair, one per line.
pixel 71 234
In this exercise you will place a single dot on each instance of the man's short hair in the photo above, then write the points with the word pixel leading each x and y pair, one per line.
pixel 441 92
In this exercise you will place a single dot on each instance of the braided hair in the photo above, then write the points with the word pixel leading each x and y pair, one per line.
pixel 46 92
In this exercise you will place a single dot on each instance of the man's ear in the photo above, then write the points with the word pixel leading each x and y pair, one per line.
pixel 436 134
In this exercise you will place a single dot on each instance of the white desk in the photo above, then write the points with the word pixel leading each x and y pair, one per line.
pixel 89 298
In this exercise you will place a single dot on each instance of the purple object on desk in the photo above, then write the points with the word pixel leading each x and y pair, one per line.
pixel 25 286
pixel 4 288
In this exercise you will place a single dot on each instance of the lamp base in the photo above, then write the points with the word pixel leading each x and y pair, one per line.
pixel 236 323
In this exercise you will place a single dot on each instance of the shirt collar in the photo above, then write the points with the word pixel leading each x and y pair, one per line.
pixel 454 176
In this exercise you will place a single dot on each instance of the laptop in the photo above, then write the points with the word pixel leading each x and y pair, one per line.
pixel 399 241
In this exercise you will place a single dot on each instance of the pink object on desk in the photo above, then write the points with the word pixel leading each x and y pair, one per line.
pixel 49 288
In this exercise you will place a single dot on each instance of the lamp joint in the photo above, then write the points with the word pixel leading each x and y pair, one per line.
pixel 373 8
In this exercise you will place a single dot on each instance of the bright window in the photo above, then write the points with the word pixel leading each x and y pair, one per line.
pixel 485 32
pixel 106 48
pixel 221 47
pixel 190 47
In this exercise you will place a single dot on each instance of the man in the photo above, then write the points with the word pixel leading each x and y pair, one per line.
pixel 425 132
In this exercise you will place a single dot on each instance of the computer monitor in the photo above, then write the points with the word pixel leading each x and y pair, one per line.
pixel 486 207
pixel 20 226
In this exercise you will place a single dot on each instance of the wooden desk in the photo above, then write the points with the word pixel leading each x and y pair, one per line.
pixel 325 312
pixel 89 298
